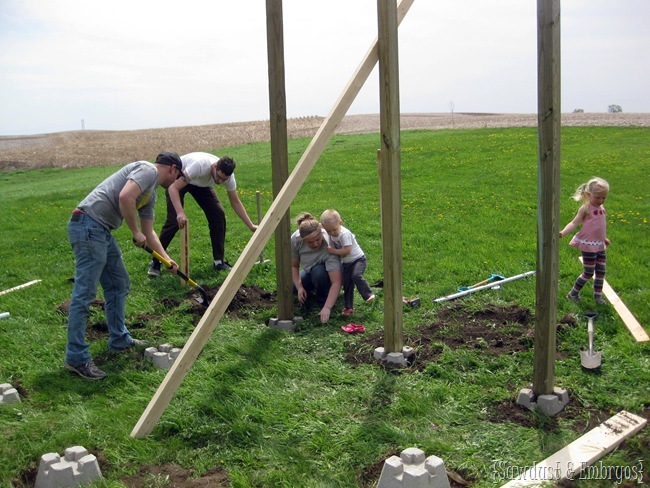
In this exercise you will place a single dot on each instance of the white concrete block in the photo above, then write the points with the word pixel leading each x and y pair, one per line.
pixel 413 470
pixel 76 468
pixel 162 356
pixel 380 353
pixel 8 394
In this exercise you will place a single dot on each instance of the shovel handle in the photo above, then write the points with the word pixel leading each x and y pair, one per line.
pixel 169 265
pixel 492 278
pixel 590 333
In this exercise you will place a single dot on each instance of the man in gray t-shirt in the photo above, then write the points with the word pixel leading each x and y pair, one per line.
pixel 127 195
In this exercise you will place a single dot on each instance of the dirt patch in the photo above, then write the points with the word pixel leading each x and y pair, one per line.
pixel 494 331
pixel 169 475
pixel 175 476
pixel 248 299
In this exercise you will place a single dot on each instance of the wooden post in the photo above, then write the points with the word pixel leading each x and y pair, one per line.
pixel 185 252
pixel 549 121
pixel 279 153
pixel 243 265
pixel 390 175
pixel 379 175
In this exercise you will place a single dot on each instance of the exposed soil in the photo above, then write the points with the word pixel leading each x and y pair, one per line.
pixel 75 149
pixel 174 476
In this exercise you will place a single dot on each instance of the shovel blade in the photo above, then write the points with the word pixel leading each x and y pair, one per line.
pixel 590 360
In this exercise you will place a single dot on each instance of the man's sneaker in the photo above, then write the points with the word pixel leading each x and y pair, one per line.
pixel 154 268
pixel 134 343
pixel 222 266
pixel 88 371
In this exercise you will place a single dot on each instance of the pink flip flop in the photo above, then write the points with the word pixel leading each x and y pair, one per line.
pixel 353 328
pixel 349 329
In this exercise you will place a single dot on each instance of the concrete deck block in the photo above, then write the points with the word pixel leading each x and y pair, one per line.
pixel 162 356
pixel 8 394
pixel 76 468
pixel 412 469
pixel 396 358
pixel 550 404
pixel 288 325
pixel 400 358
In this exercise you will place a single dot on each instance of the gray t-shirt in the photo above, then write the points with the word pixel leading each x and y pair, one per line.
pixel 103 203
pixel 309 257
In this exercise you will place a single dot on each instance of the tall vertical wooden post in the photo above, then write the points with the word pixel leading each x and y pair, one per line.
pixel 279 153
pixel 390 174
pixel 549 121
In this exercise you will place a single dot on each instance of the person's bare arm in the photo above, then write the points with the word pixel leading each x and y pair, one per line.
pixel 332 296
pixel 154 243
pixel 573 225
pixel 175 197
pixel 240 210
pixel 297 282
pixel 128 198
pixel 342 252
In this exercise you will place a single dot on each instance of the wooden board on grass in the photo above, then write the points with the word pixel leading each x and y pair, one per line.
pixel 629 320
pixel 573 461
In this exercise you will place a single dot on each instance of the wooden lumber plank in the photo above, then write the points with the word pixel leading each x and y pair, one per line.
pixel 275 213
pixel 574 459
pixel 628 319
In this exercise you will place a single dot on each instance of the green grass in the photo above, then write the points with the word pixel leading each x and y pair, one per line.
pixel 281 409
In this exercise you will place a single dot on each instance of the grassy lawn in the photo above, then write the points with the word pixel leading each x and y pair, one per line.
pixel 272 408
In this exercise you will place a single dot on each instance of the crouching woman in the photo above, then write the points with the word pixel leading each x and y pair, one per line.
pixel 321 271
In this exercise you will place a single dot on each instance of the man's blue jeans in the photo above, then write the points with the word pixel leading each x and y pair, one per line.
pixel 317 280
pixel 98 260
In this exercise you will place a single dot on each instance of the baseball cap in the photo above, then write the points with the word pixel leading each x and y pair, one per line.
pixel 169 158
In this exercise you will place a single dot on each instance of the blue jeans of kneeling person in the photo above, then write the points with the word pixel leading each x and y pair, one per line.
pixel 316 280
pixel 98 260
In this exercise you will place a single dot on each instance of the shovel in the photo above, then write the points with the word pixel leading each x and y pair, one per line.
pixel 493 277
pixel 589 358
pixel 203 299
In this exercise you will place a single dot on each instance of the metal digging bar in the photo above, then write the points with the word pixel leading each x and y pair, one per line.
pixel 484 287
pixel 203 299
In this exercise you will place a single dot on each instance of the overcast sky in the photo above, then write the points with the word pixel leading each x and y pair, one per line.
pixel 137 64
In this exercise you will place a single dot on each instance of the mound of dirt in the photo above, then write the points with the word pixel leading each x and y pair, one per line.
pixel 173 475
pixel 249 298
pixel 494 330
